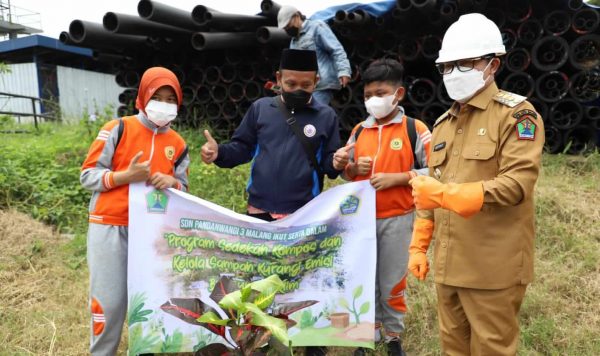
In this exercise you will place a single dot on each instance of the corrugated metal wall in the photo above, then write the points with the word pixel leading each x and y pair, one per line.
pixel 81 90
pixel 23 80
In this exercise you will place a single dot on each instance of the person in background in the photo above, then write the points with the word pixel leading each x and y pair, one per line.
pixel 485 161
pixel 140 148
pixel 388 149
pixel 334 67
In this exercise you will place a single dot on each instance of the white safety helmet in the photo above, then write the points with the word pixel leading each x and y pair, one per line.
pixel 471 36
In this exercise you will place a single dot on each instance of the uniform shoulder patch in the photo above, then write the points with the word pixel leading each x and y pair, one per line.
pixel 509 99
pixel 441 118
pixel 525 112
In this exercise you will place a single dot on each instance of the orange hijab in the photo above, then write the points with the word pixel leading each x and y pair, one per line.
pixel 151 81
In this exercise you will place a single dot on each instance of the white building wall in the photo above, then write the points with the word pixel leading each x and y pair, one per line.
pixel 22 79
pixel 81 90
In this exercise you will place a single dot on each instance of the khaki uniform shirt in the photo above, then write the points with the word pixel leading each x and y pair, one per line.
pixel 497 138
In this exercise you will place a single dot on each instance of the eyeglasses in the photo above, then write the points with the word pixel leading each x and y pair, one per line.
pixel 463 65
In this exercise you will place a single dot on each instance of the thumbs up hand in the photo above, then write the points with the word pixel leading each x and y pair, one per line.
pixel 341 157
pixel 210 150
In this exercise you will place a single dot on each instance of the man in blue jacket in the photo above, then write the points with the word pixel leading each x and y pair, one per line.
pixel 275 133
pixel 334 67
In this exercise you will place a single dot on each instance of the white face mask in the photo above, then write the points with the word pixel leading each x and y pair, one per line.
pixel 461 86
pixel 381 107
pixel 161 113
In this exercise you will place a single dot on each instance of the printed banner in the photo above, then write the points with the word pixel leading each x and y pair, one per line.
pixel 180 246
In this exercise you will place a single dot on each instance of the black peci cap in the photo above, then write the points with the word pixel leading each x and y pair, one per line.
pixel 299 59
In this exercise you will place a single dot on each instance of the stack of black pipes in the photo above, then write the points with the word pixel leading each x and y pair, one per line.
pixel 224 60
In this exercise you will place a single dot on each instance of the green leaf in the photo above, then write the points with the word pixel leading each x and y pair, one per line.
pixel 364 308
pixel 344 303
pixel 275 325
pixel 232 301
pixel 246 291
pixel 212 318
pixel 270 283
pixel 264 300
pixel 357 292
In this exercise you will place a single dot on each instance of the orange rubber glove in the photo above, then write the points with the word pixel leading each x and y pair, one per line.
pixel 417 251
pixel 465 199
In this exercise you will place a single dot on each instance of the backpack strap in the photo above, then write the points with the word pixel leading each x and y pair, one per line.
pixel 308 147
pixel 181 157
pixel 120 131
pixel 412 136
pixel 357 133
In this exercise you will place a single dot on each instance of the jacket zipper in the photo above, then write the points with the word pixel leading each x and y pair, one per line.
pixel 379 129
pixel 152 148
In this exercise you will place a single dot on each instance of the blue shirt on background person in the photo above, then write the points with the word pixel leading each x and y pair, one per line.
pixel 334 66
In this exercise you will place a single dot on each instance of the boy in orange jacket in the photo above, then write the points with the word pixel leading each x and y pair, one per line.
pixel 140 148
pixel 388 149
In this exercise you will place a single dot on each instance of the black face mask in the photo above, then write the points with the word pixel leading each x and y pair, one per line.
pixel 293 31
pixel 296 99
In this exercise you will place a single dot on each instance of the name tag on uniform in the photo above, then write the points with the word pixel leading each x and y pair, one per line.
pixel 439 146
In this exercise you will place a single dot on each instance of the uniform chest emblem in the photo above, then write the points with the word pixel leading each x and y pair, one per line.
pixel 309 130
pixel 170 152
pixel 396 144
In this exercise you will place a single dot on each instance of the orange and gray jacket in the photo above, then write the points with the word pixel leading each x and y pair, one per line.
pixel 112 152
pixel 390 148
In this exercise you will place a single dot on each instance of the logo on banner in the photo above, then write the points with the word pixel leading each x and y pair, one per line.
pixel 349 205
pixel 156 201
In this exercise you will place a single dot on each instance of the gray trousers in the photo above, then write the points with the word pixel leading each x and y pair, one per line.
pixel 393 238
pixel 107 262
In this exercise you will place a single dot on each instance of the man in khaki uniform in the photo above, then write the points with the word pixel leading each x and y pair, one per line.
pixel 483 167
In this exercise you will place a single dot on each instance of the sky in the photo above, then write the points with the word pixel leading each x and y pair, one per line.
pixel 56 15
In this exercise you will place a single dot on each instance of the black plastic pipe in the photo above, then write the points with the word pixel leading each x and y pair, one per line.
pixel 220 40
pixel 252 91
pixel 235 92
pixel 430 46
pixel 93 35
pixel 557 22
pixel 519 83
pixel 134 25
pixel 203 94
pixel 409 48
pixel 550 53
pixel 421 91
pixel 218 93
pixel 585 21
pixel 579 140
pixel 552 87
pixel 270 8
pixel 580 88
pixel 584 53
pixel 233 22
pixel 272 35
pixel 554 139
pixel 212 75
pixel 168 15
pixel 228 73
pixel 566 114
pixel 432 112
pixel 517 59
pixel 530 31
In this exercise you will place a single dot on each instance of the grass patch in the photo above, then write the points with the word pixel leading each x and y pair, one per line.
pixel 43 273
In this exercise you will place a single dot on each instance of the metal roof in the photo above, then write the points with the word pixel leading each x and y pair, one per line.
pixel 41 41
